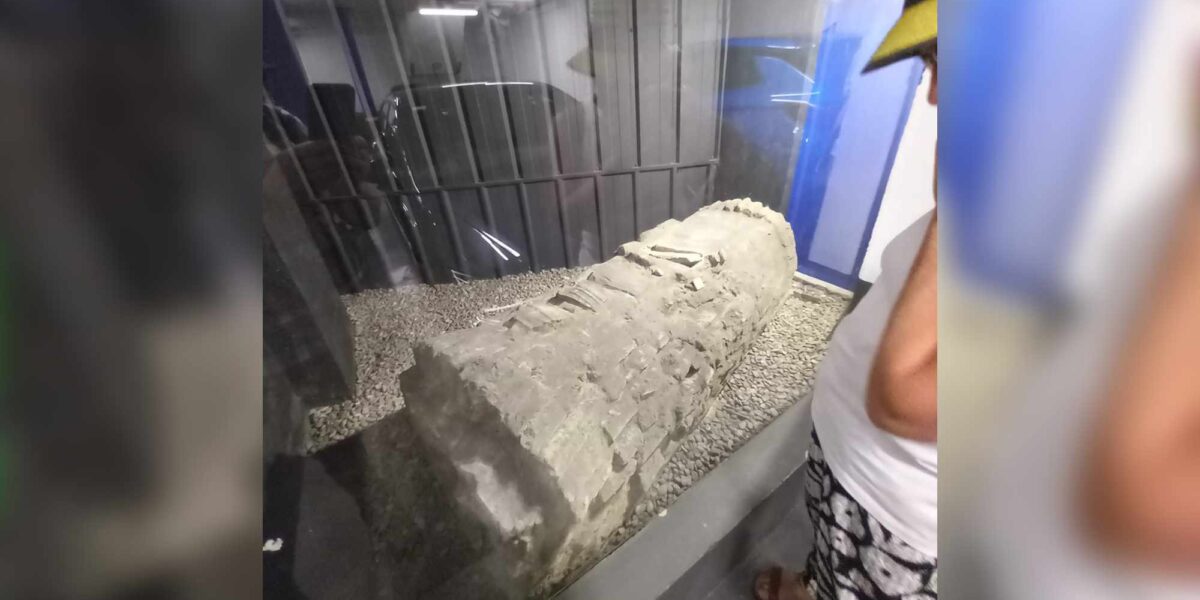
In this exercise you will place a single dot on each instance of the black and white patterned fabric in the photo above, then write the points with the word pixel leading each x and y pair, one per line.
pixel 853 556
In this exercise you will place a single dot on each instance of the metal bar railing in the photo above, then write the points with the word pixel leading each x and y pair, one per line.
pixel 510 134
pixel 340 247
pixel 423 258
pixel 502 93
pixel 289 144
pixel 341 23
pixel 587 7
pixel 678 81
pixel 637 92
pixel 527 221
pixel 552 129
pixel 547 179
pixel 468 140
pixel 368 218
pixel 360 87
pixel 637 227
pixel 405 83
pixel 452 226
pixel 398 191
pixel 672 192
pixel 408 226
pixel 326 218
pixel 489 220
pixel 721 80
pixel 710 183
pixel 518 169
pixel 459 109
pixel 559 186
pixel 723 61
pixel 598 187
pixel 412 103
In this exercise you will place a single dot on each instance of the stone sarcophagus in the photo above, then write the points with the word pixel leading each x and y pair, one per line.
pixel 554 418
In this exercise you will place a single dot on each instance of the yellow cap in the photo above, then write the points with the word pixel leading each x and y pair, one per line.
pixel 914 33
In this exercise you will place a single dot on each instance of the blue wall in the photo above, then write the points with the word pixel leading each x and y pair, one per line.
pixel 851 134
pixel 1027 89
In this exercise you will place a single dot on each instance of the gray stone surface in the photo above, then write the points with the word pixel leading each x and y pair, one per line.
pixel 556 417
pixel 387 323
pixel 421 544
pixel 774 375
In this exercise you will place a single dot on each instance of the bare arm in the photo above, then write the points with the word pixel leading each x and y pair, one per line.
pixel 902 392
pixel 1142 486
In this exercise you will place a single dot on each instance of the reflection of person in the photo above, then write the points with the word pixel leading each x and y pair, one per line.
pixel 372 253
pixel 872 468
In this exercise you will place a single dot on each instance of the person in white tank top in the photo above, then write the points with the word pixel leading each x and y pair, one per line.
pixel 872 469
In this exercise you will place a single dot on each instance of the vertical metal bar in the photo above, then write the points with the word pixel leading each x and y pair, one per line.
pixel 411 232
pixel 637 228
pixel 452 226
pixel 412 104
pixel 710 174
pixel 596 179
pixel 671 200
pixel 721 83
pixel 510 132
pixel 326 219
pixel 527 221
pixel 551 128
pixel 423 259
pixel 489 219
pixel 408 227
pixel 362 205
pixel 552 131
pixel 458 103
pixel 350 46
pixel 678 80
pixel 595 82
pixel 501 91
pixel 389 22
pixel 562 221
pixel 597 183
pixel 343 256
pixel 289 147
pixel 364 94
pixel 637 91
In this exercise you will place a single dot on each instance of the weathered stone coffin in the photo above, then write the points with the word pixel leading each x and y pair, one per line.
pixel 555 418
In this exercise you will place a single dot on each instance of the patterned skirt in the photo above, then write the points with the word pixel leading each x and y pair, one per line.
pixel 854 557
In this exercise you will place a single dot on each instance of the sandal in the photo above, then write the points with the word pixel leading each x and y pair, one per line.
pixel 773 577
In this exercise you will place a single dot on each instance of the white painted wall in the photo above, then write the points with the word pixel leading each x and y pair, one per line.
pixel 909 193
